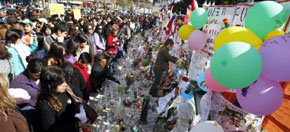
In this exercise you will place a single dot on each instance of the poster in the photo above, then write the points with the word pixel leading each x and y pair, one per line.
pixel 240 15
pixel 211 31
pixel 197 63
pixel 216 15
pixel 56 9
pixel 77 14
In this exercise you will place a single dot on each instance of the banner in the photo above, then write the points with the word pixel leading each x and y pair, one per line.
pixel 56 9
pixel 211 31
pixel 218 14
pixel 240 15
pixel 77 14
pixel 197 63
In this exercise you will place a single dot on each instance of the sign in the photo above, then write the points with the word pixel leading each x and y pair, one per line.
pixel 211 31
pixel 240 15
pixel 77 14
pixel 56 9
pixel 197 63
pixel 216 15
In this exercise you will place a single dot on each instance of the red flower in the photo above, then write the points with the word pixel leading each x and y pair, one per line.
pixel 225 20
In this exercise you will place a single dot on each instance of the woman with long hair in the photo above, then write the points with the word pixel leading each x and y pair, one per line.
pixel 29 81
pixel 55 56
pixel 55 108
pixel 72 47
pixel 10 120
pixel 99 39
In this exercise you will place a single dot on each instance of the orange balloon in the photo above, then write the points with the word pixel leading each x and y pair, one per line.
pixel 273 34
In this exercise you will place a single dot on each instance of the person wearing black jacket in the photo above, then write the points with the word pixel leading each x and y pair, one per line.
pixel 55 108
pixel 100 72
pixel 75 80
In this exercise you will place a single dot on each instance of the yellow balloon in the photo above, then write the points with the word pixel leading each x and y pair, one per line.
pixel 237 34
pixel 273 34
pixel 185 31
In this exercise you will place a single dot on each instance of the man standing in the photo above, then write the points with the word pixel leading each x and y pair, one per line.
pixel 162 65
pixel 59 33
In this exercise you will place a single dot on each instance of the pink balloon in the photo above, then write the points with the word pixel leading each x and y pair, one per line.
pixel 196 40
pixel 261 98
pixel 212 84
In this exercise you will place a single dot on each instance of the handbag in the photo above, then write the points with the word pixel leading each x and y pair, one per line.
pixel 90 112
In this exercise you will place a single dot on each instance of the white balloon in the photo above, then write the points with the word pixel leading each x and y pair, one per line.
pixel 207 126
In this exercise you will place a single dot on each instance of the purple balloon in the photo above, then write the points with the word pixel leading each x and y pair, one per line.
pixel 275 55
pixel 262 97
pixel 196 40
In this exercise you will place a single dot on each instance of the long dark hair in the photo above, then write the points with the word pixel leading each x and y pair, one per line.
pixel 50 78
pixel 56 52
pixel 35 66
pixel 71 47
pixel 68 70
pixel 100 33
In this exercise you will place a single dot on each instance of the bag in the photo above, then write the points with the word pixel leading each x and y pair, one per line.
pixel 90 112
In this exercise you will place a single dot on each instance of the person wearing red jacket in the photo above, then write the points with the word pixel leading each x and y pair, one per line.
pixel 83 66
pixel 112 43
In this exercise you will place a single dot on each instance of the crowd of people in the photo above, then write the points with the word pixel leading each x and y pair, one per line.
pixel 49 66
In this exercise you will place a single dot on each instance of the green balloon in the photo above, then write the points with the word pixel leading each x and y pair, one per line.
pixel 236 65
pixel 198 18
pixel 265 17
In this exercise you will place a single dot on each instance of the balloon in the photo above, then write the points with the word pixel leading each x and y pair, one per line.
pixel 236 65
pixel 275 55
pixel 201 81
pixel 261 98
pixel 237 34
pixel 273 34
pixel 207 126
pixel 264 17
pixel 197 40
pixel 212 84
pixel 198 18
pixel 185 31
pixel 185 95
